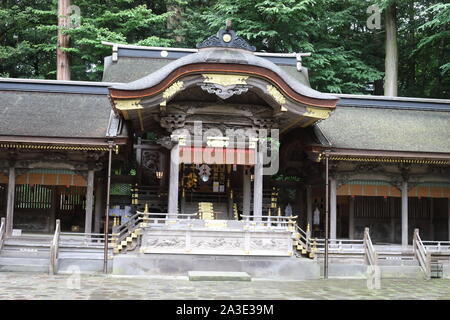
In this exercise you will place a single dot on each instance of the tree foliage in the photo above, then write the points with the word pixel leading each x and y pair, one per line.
pixel 347 56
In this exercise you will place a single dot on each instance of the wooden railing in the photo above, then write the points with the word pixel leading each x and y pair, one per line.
pixel 437 246
pixel 304 238
pixel 341 246
pixel 371 255
pixel 54 248
pixel 421 254
pixel 275 222
pixel 2 232
pixel 152 219
pixel 87 240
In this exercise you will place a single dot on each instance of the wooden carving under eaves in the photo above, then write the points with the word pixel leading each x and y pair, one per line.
pixel 265 123
pixel 173 121
pixel 224 85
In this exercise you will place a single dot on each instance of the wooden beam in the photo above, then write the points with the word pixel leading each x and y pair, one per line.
pixel 404 189
pixel 258 185
pixel 351 218
pixel 448 218
pixel 392 217
pixel 247 191
pixel 174 179
pixel 99 203
pixel 309 206
pixel 333 208
pixel 10 199
pixel 89 202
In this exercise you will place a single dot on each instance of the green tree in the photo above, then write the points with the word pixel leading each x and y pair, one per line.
pixel 337 63
pixel 28 31
pixel 347 56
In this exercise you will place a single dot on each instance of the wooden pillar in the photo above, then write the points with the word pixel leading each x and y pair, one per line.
pixel 247 192
pixel 99 204
pixel 448 216
pixel 183 201
pixel 230 205
pixel 404 190
pixel 258 185
pixel 333 208
pixel 174 179
pixel 89 202
pixel 309 206
pixel 351 218
pixel 431 220
pixel 392 217
pixel 52 222
pixel 10 199
pixel 139 160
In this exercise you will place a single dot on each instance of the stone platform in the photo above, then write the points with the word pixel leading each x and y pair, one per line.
pixel 216 237
pixel 218 276
pixel 263 267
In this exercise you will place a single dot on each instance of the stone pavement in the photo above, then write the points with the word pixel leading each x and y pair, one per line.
pixel 62 287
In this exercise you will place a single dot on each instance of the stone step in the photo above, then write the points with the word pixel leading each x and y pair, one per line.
pixel 86 265
pixel 31 238
pixel 81 249
pixel 23 268
pixel 398 262
pixel 33 253
pixel 23 261
pixel 81 255
pixel 396 272
pixel 218 276
pixel 27 243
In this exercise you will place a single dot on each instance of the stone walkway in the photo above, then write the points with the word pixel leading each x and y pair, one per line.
pixel 61 287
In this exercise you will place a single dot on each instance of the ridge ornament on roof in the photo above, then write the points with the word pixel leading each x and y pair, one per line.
pixel 226 39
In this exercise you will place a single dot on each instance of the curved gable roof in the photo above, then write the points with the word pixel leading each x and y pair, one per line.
pixel 225 60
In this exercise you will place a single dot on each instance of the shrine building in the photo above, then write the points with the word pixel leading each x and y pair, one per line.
pixel 220 158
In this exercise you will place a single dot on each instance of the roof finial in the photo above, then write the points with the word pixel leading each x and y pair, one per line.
pixel 228 24
pixel 226 38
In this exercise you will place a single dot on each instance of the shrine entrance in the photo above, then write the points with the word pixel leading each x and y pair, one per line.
pixel 212 182
pixel 213 191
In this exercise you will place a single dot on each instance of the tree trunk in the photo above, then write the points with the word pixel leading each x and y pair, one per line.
pixel 62 58
pixel 174 21
pixel 391 60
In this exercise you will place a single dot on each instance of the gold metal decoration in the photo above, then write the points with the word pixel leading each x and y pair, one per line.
pixel 276 94
pixel 133 104
pixel 51 147
pixel 226 37
pixel 141 122
pixel 384 159
pixel 317 113
pixel 225 79
pixel 171 91
pixel 190 180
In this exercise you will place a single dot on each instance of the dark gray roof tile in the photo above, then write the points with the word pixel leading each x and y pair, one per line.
pixel 46 114
pixel 387 129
